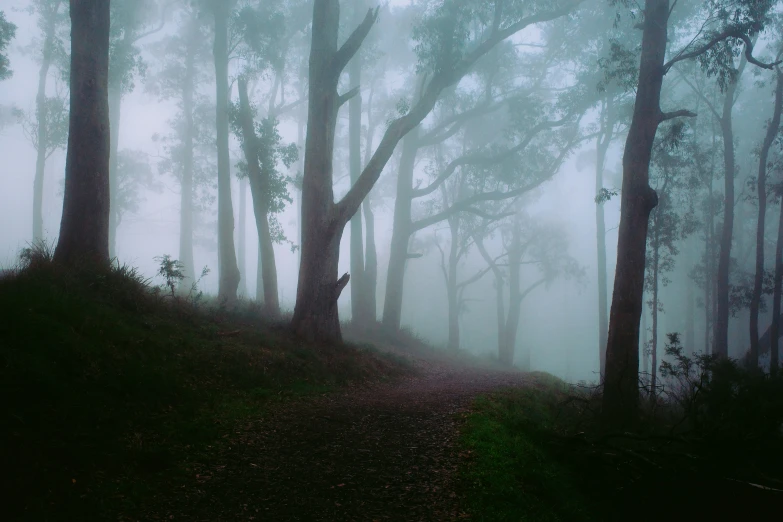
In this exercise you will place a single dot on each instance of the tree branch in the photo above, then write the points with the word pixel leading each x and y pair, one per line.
pixel 354 42
pixel 347 96
pixel 401 126
pixel 718 38
pixel 664 116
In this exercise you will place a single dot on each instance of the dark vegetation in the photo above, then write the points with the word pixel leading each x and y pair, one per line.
pixel 707 448
pixel 111 385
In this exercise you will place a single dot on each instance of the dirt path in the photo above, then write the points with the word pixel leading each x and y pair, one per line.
pixel 382 453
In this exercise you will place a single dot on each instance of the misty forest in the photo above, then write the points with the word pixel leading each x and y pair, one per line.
pixel 494 260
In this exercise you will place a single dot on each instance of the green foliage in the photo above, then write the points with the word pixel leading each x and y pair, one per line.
pixel 605 195
pixel 172 270
pixel 7 33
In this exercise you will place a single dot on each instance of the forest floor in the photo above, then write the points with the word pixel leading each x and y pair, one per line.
pixel 382 452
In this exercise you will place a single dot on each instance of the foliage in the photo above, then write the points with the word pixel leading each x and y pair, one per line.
pixel 7 33
pixel 605 195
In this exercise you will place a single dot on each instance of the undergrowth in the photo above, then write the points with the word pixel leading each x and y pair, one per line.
pixel 109 385
pixel 706 448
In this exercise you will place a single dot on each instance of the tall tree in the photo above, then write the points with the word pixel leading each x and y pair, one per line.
pixel 84 228
pixel 737 26
pixel 315 313
pixel 773 129
pixel 49 128
pixel 131 21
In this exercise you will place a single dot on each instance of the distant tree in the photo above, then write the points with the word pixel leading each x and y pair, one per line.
pixel 131 21
pixel 48 129
pixel 7 33
pixel 84 228
pixel 134 175
pixel 733 24
pixel 525 243
pixel 179 73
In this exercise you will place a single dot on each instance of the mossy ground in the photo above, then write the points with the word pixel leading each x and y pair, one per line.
pixel 110 388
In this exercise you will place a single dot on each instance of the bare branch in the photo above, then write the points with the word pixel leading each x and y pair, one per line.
pixel 664 116
pixel 347 96
pixel 354 42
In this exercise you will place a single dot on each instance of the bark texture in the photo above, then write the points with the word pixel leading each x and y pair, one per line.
pixel 84 228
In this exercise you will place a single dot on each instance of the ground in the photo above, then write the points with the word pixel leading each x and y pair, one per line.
pixel 383 452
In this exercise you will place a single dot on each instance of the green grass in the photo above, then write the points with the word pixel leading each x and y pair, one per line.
pixel 108 389
pixel 506 472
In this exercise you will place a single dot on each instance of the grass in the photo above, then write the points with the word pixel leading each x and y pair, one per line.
pixel 536 454
pixel 507 473
pixel 109 388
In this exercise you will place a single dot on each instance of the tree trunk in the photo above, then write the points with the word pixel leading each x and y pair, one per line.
pixel 643 342
pixel 690 305
pixel 370 264
pixel 401 233
pixel 656 261
pixel 721 324
pixel 769 138
pixel 500 305
pixel 84 228
pixel 621 392
pixel 227 260
pixel 359 311
pixel 42 118
pixel 115 106
pixel 602 146
pixel 316 314
pixel 258 176
pixel 242 239
pixel 186 196
pixel 774 358
pixel 452 290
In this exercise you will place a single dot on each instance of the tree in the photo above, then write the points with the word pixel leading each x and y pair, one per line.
pixel 84 228
pixel 48 130
pixel 773 129
pixel 263 150
pixel 315 313
pixel 181 72
pixel 525 243
pixel 7 33
pixel 130 23
pixel 227 259
pixel 711 47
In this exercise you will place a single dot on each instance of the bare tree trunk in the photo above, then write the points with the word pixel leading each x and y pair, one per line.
pixel 401 233
pixel 721 324
pixel 514 295
pixel 186 196
pixel 769 138
pixel 602 146
pixel 370 264
pixel 359 315
pixel 774 355
pixel 42 119
pixel 315 314
pixel 84 228
pixel 643 343
pixel 656 261
pixel 115 106
pixel 690 305
pixel 227 260
pixel 259 188
pixel 500 305
pixel 621 392
pixel 242 239
pixel 452 290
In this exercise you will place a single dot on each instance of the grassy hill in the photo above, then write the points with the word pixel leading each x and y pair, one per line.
pixel 109 385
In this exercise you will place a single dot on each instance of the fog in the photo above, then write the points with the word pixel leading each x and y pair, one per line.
pixel 543 66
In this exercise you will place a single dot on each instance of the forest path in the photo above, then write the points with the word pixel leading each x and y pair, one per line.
pixel 386 452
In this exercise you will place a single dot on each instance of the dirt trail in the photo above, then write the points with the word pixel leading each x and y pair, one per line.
pixel 380 453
